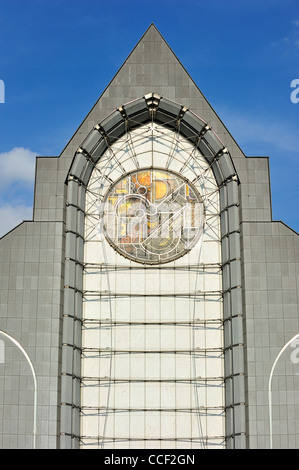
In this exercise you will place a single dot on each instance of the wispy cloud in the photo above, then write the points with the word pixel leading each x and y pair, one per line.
pixel 17 165
pixel 293 37
pixel 17 171
pixel 248 129
pixel 12 215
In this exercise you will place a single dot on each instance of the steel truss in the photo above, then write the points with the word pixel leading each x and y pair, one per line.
pixel 115 161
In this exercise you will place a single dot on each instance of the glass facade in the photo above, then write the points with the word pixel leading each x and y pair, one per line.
pixel 152 337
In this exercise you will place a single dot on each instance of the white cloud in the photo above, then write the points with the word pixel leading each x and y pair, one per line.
pixel 254 129
pixel 12 215
pixel 17 171
pixel 17 165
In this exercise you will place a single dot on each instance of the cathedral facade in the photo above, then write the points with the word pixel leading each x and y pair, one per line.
pixel 152 301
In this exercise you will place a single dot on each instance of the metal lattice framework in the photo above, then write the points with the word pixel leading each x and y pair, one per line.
pixel 115 147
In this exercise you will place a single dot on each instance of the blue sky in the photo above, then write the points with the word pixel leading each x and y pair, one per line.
pixel 57 57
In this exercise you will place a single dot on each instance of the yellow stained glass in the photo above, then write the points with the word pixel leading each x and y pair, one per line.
pixel 144 178
pixel 160 189
pixel 150 219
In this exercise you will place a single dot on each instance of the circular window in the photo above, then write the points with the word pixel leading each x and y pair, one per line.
pixel 152 215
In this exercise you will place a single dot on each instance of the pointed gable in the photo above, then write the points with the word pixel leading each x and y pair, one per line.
pixel 151 67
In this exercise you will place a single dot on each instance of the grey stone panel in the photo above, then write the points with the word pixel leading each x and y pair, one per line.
pixel 255 189
pixel 49 194
pixel 32 258
pixel 270 277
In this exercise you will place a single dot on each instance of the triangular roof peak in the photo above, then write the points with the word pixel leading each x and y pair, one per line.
pixel 152 26
pixel 151 66
pixel 153 41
